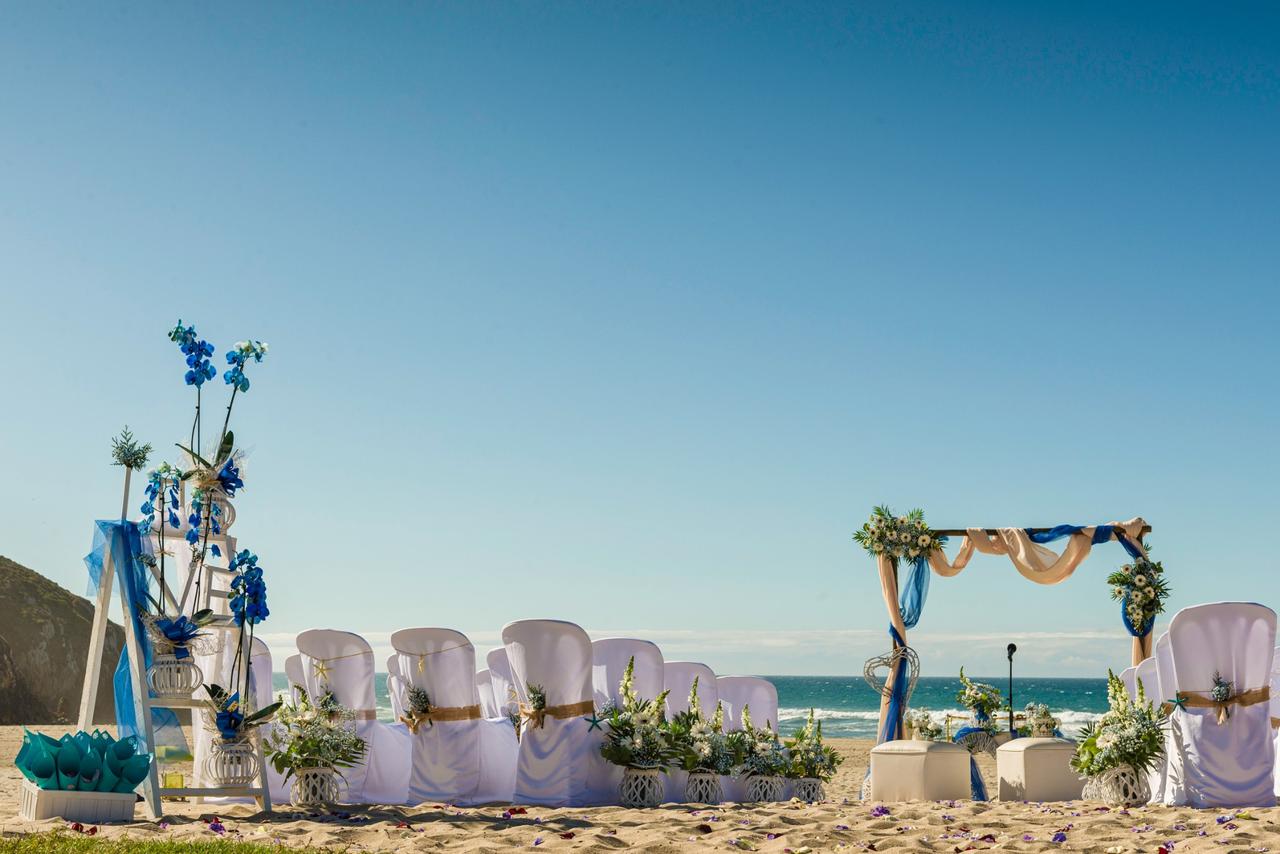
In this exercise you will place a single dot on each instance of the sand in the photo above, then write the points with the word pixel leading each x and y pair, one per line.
pixel 841 823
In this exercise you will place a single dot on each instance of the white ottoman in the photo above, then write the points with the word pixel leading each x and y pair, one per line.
pixel 1037 769
pixel 919 771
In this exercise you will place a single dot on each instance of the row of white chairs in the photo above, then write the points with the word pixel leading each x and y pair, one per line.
pixel 1206 763
pixel 472 754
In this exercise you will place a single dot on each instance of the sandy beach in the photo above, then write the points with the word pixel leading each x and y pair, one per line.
pixel 841 823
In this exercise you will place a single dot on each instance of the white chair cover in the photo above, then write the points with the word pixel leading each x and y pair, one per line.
pixel 1146 674
pixel 1231 764
pixel 504 687
pixel 395 686
pixel 558 760
pixel 293 672
pixel 1173 790
pixel 609 657
pixel 1127 676
pixel 1275 711
pixel 759 694
pixel 446 754
pixel 678 677
pixel 484 689
pixel 342 662
pixel 260 687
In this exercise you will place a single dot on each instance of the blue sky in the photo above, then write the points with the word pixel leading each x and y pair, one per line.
pixel 628 313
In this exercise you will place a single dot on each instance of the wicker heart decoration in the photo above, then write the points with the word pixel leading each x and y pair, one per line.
pixel 888 663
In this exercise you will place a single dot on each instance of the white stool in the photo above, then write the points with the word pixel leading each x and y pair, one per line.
pixel 1037 769
pixel 919 771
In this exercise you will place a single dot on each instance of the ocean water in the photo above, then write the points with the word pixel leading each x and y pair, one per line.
pixel 848 708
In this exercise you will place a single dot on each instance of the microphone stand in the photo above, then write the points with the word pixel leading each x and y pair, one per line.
pixel 1011 649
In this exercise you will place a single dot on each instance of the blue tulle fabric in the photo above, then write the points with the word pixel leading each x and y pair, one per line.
pixel 1101 534
pixel 977 786
pixel 911 600
pixel 128 544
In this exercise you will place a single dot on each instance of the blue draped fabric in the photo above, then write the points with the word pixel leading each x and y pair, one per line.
pixel 128 545
pixel 977 786
pixel 911 598
pixel 1101 534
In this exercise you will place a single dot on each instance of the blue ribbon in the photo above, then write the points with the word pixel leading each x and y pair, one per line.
pixel 127 544
pixel 179 632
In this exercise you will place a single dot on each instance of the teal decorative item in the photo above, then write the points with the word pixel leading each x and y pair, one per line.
pixel 83 762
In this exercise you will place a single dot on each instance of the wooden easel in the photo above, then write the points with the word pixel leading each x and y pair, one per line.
pixel 143 702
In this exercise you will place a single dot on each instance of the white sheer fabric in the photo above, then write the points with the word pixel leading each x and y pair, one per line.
pixel 1232 763
pixel 293 672
pixel 557 760
pixel 609 662
pixel 395 686
pixel 758 694
pixel 1128 677
pixel 1173 790
pixel 504 687
pixel 484 689
pixel 446 753
pixel 342 662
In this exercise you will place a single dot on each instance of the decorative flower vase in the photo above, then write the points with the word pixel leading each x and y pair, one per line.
pixel 1118 787
pixel 703 788
pixel 232 763
pixel 314 787
pixel 810 790
pixel 764 789
pixel 171 677
pixel 1041 728
pixel 641 787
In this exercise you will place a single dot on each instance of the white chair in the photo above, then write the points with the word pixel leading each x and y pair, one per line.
pixel 395 686
pixel 1275 711
pixel 447 751
pixel 484 689
pixel 1127 676
pixel 558 754
pixel 610 657
pixel 342 663
pixel 504 687
pixel 678 677
pixel 1172 788
pixel 293 672
pixel 1228 764
pixel 759 695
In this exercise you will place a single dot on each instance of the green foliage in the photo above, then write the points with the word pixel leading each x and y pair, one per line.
pixel 127 452
pixel 698 744
pixel 1142 587
pixel 897 536
pixel 63 842
pixel 636 731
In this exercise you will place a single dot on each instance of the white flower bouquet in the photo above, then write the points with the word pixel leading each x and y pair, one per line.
pixel 635 732
pixel 1129 734
pixel 978 697
pixel 897 536
pixel 1141 587
pixel 921 724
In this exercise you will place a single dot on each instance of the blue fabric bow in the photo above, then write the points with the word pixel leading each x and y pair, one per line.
pixel 179 632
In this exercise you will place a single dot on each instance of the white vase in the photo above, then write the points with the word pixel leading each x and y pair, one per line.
pixel 761 789
pixel 171 677
pixel 314 787
pixel 810 790
pixel 232 763
pixel 1118 787
pixel 703 788
pixel 641 787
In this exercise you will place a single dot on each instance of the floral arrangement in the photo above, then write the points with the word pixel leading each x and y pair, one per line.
pixel 1039 718
pixel 314 735
pixel 1128 733
pixel 810 758
pixel 761 752
pixel 229 719
pixel 635 732
pixel 921 723
pixel 126 452
pixel 978 697
pixel 698 744
pixel 1141 587
pixel 897 536
pixel 418 710
pixel 178 636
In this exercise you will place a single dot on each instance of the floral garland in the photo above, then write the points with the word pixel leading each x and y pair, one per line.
pixel 1141 587
pixel 885 534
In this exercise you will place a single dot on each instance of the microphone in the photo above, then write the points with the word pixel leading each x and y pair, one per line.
pixel 1011 649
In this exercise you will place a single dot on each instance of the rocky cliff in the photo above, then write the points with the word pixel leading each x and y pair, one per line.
pixel 44 641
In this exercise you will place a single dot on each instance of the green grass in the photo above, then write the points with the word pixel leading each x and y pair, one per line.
pixel 62 842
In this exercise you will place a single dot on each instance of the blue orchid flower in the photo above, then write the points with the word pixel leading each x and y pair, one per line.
pixel 229 477
pixel 229 718
pixel 237 356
